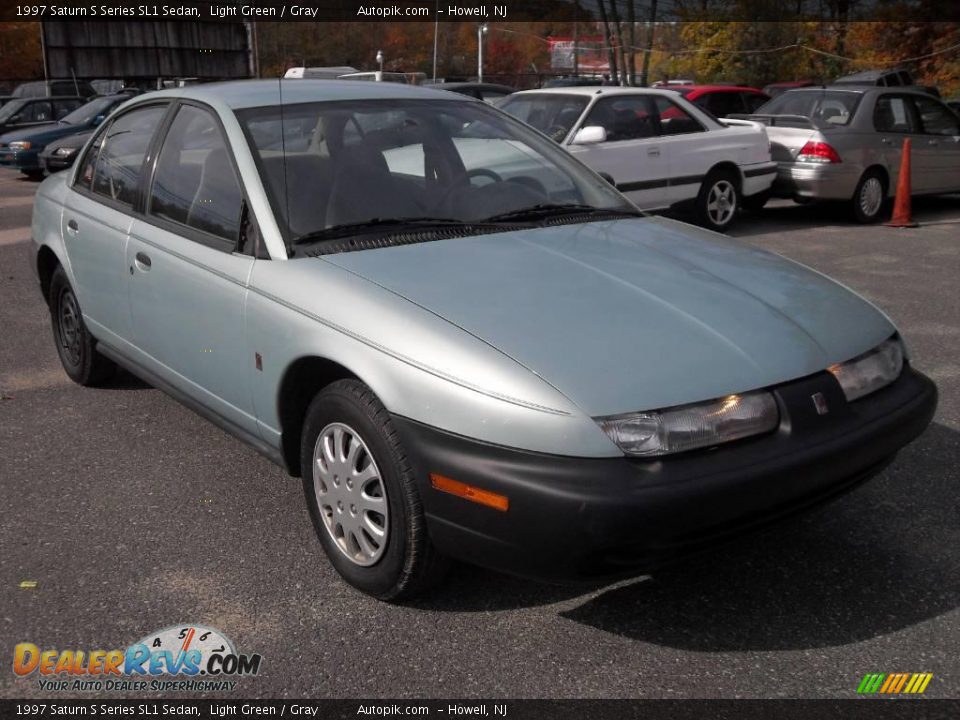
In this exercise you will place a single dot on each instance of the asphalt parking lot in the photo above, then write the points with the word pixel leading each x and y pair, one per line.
pixel 132 514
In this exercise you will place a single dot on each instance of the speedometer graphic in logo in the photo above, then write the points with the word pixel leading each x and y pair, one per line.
pixel 185 638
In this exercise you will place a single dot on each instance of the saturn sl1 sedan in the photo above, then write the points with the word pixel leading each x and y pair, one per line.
pixel 515 370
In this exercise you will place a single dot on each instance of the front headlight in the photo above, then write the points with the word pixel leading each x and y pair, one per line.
pixel 871 371
pixel 687 427
pixel 20 145
pixel 64 151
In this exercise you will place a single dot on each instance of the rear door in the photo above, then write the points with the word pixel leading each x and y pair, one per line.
pixel 632 154
pixel 97 217
pixel 187 281
pixel 940 141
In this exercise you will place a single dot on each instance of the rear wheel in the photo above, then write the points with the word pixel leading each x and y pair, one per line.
pixel 362 495
pixel 869 197
pixel 718 200
pixel 75 345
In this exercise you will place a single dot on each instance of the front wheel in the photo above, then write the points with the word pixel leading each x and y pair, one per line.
pixel 869 196
pixel 362 495
pixel 75 345
pixel 718 200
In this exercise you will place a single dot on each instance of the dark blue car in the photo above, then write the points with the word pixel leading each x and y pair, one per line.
pixel 21 149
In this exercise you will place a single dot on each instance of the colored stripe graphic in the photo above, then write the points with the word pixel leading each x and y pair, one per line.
pixel 895 683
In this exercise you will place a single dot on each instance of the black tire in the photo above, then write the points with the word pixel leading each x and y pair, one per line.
pixel 409 563
pixel 75 345
pixel 755 203
pixel 865 211
pixel 727 184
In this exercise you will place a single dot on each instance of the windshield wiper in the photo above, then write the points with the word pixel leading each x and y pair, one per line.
pixel 357 228
pixel 549 209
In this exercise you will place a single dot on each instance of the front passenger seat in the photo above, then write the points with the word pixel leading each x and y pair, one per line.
pixel 364 189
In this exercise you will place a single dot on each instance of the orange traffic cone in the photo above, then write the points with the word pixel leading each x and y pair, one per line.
pixel 901 204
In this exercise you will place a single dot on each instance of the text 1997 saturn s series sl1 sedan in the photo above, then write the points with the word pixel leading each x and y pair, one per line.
pixel 506 364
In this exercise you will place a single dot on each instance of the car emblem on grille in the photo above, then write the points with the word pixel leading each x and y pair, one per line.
pixel 820 403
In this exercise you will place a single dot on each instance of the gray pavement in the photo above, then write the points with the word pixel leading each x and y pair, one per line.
pixel 133 514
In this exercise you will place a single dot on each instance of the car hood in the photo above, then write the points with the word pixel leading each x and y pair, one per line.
pixel 41 133
pixel 632 314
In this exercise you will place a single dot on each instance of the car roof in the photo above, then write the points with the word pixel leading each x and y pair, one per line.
pixel 601 90
pixel 863 89
pixel 699 89
pixel 238 94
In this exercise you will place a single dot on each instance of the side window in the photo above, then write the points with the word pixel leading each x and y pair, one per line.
pixel 935 119
pixel 87 165
pixel 195 183
pixel 674 120
pixel 753 101
pixel 624 118
pixel 891 114
pixel 36 112
pixel 117 172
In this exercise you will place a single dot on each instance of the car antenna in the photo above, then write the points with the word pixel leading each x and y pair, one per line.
pixel 283 151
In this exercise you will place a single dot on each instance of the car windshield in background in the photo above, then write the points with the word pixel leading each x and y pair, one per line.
pixel 378 165
pixel 551 114
pixel 823 107
pixel 85 114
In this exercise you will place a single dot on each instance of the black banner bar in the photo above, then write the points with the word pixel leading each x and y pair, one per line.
pixel 474 10
pixel 874 708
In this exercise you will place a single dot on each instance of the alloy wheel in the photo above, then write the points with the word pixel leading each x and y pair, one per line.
pixel 721 202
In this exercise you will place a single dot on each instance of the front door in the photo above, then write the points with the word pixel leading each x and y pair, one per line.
pixel 632 153
pixel 188 285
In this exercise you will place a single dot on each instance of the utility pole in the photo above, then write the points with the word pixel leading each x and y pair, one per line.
pixel 481 31
pixel 436 34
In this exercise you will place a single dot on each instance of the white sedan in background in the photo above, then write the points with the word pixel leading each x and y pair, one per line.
pixel 658 149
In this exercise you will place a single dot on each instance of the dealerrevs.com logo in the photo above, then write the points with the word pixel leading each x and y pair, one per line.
pixel 181 657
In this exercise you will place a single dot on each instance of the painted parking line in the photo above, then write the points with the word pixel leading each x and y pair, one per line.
pixel 15 235
pixel 16 202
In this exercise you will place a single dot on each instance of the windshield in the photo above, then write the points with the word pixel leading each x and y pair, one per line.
pixel 11 109
pixel 85 114
pixel 823 107
pixel 343 164
pixel 550 113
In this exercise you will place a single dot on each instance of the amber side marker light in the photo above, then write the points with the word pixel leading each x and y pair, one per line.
pixel 469 492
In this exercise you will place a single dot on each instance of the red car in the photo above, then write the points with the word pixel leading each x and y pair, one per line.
pixel 723 100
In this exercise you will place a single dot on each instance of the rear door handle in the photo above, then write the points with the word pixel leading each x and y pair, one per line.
pixel 653 151
pixel 72 226
pixel 143 261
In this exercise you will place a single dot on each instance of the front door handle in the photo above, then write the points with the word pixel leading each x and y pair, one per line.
pixel 72 226
pixel 143 261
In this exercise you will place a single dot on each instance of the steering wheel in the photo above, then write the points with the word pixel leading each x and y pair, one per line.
pixel 444 199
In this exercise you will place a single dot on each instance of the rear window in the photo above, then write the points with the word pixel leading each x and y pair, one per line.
pixel 825 108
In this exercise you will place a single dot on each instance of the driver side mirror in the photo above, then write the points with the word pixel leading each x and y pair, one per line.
pixel 590 135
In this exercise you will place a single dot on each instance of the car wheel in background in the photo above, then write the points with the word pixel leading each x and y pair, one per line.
pixel 869 197
pixel 75 345
pixel 718 200
pixel 362 495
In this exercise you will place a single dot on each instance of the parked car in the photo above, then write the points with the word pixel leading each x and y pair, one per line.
pixel 844 143
pixel 60 154
pixel 488 92
pixel 657 148
pixel 535 378
pixel 21 149
pixel 894 77
pixel 54 88
pixel 954 104
pixel 4 99
pixel 671 83
pixel 777 88
pixel 27 112
pixel 723 100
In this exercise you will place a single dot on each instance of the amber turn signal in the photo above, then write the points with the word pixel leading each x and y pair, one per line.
pixel 469 492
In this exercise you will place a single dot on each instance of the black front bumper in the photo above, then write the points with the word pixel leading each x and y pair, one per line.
pixel 572 518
